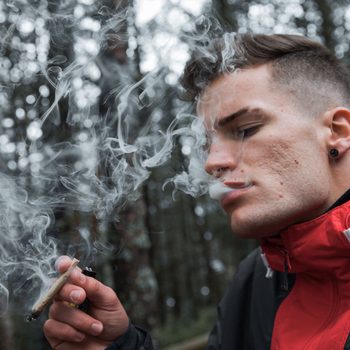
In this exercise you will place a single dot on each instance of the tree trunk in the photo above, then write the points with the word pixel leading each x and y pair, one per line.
pixel 327 27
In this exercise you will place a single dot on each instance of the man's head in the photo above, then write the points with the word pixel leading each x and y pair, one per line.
pixel 293 59
pixel 273 110
pixel 305 68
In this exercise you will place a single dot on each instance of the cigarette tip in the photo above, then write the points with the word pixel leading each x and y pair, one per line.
pixel 33 316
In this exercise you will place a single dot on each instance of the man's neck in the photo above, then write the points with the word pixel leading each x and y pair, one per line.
pixel 341 200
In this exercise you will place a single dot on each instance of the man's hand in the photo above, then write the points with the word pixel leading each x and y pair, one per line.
pixel 69 328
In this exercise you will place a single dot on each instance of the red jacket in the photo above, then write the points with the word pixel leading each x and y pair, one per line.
pixel 316 313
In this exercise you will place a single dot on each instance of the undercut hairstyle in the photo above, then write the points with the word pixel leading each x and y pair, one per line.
pixel 305 68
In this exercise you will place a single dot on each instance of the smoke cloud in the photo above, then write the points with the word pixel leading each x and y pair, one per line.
pixel 94 124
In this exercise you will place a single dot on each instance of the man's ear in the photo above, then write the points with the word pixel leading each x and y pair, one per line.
pixel 338 120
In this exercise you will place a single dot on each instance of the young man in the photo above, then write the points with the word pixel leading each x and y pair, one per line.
pixel 277 114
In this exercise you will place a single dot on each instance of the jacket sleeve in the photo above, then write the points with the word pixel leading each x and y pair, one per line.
pixel 238 325
pixel 230 314
pixel 135 338
pixel 214 340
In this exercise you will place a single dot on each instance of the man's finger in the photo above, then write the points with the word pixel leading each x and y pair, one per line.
pixel 57 332
pixel 96 292
pixel 71 293
pixel 63 263
pixel 77 319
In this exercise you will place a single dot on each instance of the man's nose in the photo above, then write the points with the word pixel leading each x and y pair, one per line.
pixel 221 158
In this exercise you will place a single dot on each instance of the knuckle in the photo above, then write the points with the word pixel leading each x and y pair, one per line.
pixel 110 293
pixel 95 286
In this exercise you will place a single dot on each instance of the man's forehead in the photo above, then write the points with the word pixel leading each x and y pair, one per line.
pixel 221 83
pixel 230 93
pixel 219 93
pixel 210 102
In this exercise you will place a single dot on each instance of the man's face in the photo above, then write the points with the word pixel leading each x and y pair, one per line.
pixel 271 153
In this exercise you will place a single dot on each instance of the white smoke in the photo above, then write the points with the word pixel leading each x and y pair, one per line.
pixel 26 252
pixel 111 147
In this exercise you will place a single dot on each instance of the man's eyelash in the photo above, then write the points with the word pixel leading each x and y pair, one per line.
pixel 245 131
pixel 236 132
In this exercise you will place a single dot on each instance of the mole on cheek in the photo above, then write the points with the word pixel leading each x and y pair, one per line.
pixel 296 162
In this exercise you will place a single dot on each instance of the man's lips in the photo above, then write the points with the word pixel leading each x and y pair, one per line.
pixel 229 198
pixel 219 190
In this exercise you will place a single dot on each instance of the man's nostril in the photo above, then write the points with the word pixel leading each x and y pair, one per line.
pixel 218 172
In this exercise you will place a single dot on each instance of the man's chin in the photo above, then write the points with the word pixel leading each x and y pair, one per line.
pixel 249 229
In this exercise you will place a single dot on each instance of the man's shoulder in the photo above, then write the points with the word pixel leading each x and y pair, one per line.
pixel 250 280
pixel 244 274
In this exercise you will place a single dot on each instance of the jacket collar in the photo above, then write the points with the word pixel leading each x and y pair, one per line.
pixel 318 245
pixel 341 200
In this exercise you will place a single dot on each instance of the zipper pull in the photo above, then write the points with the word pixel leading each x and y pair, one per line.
pixel 269 271
pixel 287 267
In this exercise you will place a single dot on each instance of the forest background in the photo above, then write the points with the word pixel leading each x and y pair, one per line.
pixel 95 162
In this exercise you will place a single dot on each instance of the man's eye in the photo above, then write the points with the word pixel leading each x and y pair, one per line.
pixel 246 131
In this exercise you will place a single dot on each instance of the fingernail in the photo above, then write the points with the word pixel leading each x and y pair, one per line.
pixel 96 328
pixel 75 296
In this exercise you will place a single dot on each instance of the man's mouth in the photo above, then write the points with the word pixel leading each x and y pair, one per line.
pixel 230 197
pixel 227 191
pixel 218 190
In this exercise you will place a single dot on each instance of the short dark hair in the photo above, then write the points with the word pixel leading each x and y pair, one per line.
pixel 294 59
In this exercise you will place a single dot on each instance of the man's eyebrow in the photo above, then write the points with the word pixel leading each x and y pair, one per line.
pixel 241 112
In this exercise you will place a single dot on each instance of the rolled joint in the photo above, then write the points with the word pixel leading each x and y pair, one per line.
pixel 46 298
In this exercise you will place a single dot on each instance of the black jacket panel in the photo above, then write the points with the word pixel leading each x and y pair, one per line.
pixel 246 313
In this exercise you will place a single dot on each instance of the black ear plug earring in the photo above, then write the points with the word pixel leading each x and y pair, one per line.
pixel 333 153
